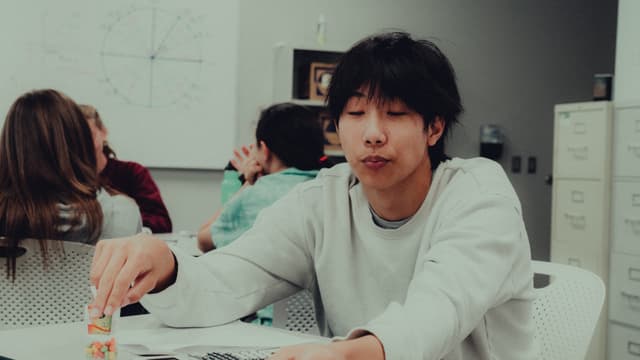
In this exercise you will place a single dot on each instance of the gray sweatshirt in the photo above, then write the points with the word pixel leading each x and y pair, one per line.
pixel 121 217
pixel 454 282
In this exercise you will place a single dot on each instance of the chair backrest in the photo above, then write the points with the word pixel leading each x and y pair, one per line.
pixel 296 313
pixel 566 310
pixel 46 294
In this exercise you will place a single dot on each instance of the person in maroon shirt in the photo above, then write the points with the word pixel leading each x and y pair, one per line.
pixel 129 178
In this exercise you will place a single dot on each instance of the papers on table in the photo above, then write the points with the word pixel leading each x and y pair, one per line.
pixel 230 337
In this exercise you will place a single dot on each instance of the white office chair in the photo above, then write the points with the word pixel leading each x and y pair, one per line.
pixel 296 313
pixel 566 310
pixel 46 294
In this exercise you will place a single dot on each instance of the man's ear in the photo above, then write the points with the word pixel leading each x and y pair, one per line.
pixel 435 130
pixel 265 149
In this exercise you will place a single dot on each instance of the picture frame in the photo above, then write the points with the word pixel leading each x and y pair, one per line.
pixel 331 140
pixel 320 74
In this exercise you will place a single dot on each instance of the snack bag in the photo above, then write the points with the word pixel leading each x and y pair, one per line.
pixel 102 343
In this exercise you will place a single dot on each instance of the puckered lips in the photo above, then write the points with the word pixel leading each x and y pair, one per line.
pixel 375 162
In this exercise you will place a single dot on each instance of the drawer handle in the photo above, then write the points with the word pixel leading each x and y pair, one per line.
pixel 635 149
pixel 633 348
pixel 634 224
pixel 634 300
pixel 634 274
pixel 635 200
pixel 578 196
pixel 579 128
pixel 579 152
pixel 630 296
pixel 576 221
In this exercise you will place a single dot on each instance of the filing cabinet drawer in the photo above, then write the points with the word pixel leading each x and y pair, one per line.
pixel 624 343
pixel 596 262
pixel 625 219
pixel 581 144
pixel 624 291
pixel 626 148
pixel 580 213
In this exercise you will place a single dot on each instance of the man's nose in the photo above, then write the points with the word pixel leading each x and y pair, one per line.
pixel 374 133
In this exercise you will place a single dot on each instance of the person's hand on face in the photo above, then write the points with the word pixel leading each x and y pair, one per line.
pixel 240 157
pixel 253 169
pixel 245 160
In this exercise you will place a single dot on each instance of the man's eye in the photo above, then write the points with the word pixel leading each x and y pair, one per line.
pixel 355 113
pixel 396 113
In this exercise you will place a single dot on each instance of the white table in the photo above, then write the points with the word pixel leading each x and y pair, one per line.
pixel 67 341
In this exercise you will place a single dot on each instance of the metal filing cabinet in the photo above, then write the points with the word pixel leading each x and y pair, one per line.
pixel 581 195
pixel 624 290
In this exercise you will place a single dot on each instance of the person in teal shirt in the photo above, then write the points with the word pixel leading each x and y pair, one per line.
pixel 289 149
pixel 238 215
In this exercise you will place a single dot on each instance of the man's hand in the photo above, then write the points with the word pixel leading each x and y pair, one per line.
pixel 253 171
pixel 367 347
pixel 308 352
pixel 125 269
pixel 247 164
pixel 240 156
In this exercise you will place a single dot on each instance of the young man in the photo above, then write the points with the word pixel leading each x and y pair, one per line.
pixel 409 255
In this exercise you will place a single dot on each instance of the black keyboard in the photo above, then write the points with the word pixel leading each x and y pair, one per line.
pixel 239 355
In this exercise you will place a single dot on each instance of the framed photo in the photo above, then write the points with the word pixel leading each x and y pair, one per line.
pixel 319 78
pixel 331 140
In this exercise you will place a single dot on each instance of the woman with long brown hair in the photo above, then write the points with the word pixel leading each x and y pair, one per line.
pixel 49 187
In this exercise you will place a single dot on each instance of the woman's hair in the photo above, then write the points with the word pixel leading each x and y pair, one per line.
pixel 47 159
pixel 90 113
pixel 395 66
pixel 294 134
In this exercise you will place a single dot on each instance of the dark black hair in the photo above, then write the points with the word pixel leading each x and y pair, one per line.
pixel 294 134
pixel 395 66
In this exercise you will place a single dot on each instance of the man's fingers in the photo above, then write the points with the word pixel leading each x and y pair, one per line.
pixel 143 284
pixel 101 256
pixel 129 272
pixel 106 283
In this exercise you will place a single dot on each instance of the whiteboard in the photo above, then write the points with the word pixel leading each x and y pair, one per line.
pixel 162 73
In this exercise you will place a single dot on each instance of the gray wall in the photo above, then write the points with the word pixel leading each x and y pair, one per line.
pixel 515 60
pixel 627 77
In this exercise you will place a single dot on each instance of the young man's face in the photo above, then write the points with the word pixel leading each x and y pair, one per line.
pixel 385 142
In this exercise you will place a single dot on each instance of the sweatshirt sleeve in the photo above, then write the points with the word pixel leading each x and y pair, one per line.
pixel 121 216
pixel 147 194
pixel 466 272
pixel 269 262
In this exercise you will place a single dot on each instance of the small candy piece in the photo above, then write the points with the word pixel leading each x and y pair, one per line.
pixel 102 350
